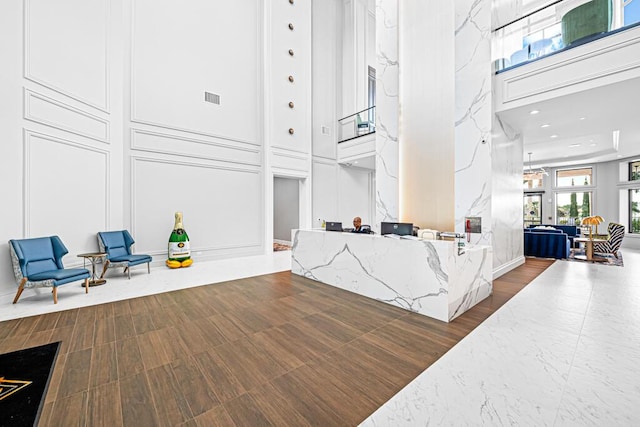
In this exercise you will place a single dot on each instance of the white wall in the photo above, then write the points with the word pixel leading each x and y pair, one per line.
pixel 285 207
pixel 106 125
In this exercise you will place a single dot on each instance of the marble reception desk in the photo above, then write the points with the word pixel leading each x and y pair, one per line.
pixel 424 276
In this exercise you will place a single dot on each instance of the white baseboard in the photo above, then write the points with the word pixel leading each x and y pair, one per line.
pixel 282 242
pixel 505 268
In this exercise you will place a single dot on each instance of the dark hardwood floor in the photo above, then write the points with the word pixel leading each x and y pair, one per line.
pixel 270 350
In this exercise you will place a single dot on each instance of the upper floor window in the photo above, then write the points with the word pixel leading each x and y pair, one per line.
pixel 574 177
pixel 634 170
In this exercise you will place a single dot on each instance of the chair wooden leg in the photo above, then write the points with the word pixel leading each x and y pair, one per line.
pixel 86 286
pixel 129 272
pixel 20 289
pixel 55 294
pixel 104 269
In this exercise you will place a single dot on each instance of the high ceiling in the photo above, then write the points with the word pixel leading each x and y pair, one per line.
pixel 596 125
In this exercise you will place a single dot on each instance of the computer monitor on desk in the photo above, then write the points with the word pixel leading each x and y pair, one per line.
pixel 399 228
pixel 333 226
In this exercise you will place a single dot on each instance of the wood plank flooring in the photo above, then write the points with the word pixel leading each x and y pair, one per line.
pixel 275 350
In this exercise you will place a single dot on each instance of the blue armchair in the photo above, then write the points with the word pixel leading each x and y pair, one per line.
pixel 117 246
pixel 38 263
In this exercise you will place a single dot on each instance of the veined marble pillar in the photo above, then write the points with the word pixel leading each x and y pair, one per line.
pixel 386 111
pixel 446 114
pixel 473 116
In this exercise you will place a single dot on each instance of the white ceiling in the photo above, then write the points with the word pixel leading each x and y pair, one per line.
pixel 584 125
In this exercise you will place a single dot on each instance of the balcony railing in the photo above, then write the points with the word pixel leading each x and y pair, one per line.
pixel 559 26
pixel 358 124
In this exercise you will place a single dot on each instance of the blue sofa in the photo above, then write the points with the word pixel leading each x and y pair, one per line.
pixel 546 243
pixel 572 231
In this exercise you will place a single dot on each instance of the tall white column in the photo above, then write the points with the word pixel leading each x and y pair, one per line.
pixel 386 111
pixel 473 116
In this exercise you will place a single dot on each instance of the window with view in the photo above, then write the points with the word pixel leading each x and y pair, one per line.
pixel 574 177
pixel 572 207
pixel 634 214
pixel 634 171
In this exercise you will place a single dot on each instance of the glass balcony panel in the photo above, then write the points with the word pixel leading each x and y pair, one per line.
pixel 356 125
pixel 559 26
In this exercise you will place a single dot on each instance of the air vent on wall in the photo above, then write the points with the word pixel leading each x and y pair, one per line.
pixel 212 97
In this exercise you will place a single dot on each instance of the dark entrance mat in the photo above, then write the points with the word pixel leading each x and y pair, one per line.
pixel 24 377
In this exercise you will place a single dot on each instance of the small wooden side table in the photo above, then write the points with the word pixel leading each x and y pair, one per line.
pixel 588 250
pixel 94 257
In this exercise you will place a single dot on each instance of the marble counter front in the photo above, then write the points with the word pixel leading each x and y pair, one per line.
pixel 424 276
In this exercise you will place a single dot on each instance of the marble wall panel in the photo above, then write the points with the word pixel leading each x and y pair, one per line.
pixel 386 111
pixel 473 107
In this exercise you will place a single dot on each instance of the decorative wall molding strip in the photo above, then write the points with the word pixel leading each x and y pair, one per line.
pixel 29 75
pixel 234 150
pixel 26 188
pixel 30 101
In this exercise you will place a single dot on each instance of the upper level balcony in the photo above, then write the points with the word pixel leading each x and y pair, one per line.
pixel 560 26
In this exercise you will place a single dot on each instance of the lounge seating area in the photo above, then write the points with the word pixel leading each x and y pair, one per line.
pixel 546 243
pixel 37 262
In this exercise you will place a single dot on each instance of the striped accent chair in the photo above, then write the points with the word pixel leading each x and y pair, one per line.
pixel 612 245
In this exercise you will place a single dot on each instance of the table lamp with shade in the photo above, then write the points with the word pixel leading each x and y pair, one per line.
pixel 591 221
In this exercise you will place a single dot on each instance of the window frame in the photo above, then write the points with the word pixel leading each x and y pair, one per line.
pixel 592 185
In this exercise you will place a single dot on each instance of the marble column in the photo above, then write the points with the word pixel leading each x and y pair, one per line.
pixel 473 116
pixel 386 111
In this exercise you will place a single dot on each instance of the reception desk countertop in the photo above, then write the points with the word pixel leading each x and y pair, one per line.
pixel 425 276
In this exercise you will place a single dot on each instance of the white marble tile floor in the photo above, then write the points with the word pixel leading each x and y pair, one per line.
pixel 161 279
pixel 563 352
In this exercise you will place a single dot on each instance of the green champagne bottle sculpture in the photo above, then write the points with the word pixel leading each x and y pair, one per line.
pixel 179 252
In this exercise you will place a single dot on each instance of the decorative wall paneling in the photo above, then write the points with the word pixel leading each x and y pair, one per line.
pixel 66 191
pixel 287 159
pixel 66 48
pixel 219 149
pixel 326 71
pixel 290 55
pixel 179 53
pixel 42 109
pixel 223 220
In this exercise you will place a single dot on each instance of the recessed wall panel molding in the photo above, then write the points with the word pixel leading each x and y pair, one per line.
pixel 66 191
pixel 222 206
pixel 286 159
pixel 180 53
pixel 221 150
pixel 605 61
pixel 66 48
pixel 57 114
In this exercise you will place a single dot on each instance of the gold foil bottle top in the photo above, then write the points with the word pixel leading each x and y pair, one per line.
pixel 178 223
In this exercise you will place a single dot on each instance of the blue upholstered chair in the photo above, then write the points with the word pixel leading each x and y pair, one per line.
pixel 613 243
pixel 117 246
pixel 38 263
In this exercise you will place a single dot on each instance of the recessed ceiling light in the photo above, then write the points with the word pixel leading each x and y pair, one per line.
pixel 546 125
pixel 582 118
pixel 356 162
pixel 553 136
pixel 534 112
pixel 574 145
pixel 593 145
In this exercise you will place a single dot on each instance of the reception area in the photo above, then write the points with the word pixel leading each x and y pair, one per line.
pixel 435 278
